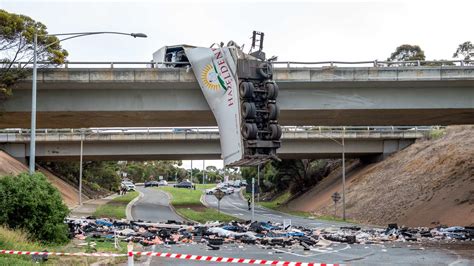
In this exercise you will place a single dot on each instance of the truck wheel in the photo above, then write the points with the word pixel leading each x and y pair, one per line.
pixel 273 111
pixel 249 131
pixel 265 70
pixel 249 110
pixel 246 89
pixel 275 132
pixel 272 90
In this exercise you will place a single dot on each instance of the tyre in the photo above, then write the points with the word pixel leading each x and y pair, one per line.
pixel 266 70
pixel 249 131
pixel 275 131
pixel 246 89
pixel 249 110
pixel 272 90
pixel 273 111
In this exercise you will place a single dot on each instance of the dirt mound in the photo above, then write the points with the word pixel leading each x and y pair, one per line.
pixel 11 166
pixel 430 182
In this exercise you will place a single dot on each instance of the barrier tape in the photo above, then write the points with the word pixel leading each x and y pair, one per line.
pixel 169 255
pixel 42 253
pixel 227 260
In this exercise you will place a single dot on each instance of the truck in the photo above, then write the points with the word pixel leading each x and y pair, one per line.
pixel 241 94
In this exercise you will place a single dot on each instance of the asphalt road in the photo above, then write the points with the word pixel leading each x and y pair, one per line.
pixel 234 205
pixel 153 206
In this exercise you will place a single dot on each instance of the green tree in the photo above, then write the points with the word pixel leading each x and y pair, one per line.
pixel 31 203
pixel 407 52
pixel 16 44
pixel 465 50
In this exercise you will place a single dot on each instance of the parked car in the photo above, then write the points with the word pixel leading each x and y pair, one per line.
pixel 184 184
pixel 210 191
pixel 162 183
pixel 227 190
pixel 128 185
pixel 243 183
pixel 152 184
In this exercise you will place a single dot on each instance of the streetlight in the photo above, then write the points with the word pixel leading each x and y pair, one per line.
pixel 33 93
pixel 343 171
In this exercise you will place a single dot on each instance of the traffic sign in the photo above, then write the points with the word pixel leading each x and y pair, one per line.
pixel 219 194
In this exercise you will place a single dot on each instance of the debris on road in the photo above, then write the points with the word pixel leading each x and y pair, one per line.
pixel 264 234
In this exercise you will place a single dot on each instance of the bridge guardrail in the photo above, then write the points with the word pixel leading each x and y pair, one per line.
pixel 210 130
pixel 277 64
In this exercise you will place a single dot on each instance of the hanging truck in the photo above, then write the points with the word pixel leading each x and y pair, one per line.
pixel 241 94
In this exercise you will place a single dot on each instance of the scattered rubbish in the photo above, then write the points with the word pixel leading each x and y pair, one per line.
pixel 266 235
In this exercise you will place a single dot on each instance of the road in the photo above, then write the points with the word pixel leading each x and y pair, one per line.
pixel 234 205
pixel 153 206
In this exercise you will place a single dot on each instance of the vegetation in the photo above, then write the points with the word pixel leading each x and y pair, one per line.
pixel 116 207
pixel 436 133
pixel 31 203
pixel 187 203
pixel 276 202
pixel 16 44
pixel 464 50
pixel 407 52
pixel 296 175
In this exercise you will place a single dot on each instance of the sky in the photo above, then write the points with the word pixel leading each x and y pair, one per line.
pixel 294 30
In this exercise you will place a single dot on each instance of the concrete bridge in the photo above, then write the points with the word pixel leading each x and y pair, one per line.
pixel 188 144
pixel 124 97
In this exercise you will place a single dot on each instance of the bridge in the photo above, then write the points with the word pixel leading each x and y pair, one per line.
pixel 185 144
pixel 149 97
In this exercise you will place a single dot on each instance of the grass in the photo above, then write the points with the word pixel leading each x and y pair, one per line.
pixel 116 207
pixel 187 203
pixel 436 133
pixel 275 203
pixel 204 215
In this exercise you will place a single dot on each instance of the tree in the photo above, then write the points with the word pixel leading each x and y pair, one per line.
pixel 407 52
pixel 465 50
pixel 31 203
pixel 16 45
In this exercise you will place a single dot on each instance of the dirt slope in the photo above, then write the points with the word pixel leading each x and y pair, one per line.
pixel 430 182
pixel 9 165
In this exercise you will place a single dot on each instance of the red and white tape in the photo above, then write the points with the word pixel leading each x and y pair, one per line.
pixel 228 260
pixel 80 254
pixel 171 256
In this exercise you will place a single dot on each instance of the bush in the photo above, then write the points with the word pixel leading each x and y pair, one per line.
pixel 31 203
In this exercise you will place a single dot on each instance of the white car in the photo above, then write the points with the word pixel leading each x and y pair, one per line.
pixel 162 183
pixel 128 185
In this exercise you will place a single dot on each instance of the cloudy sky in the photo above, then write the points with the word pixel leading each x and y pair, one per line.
pixel 294 30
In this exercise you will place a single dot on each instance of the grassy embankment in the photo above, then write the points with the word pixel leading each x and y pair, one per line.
pixel 187 203
pixel 18 240
pixel 116 207
pixel 277 204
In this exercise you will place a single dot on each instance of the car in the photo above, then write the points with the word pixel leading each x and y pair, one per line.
pixel 184 184
pixel 210 191
pixel 128 185
pixel 152 184
pixel 162 183
pixel 243 183
pixel 227 190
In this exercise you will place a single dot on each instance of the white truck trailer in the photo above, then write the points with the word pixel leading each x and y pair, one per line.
pixel 241 94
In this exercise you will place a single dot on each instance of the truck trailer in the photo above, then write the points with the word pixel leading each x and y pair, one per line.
pixel 241 93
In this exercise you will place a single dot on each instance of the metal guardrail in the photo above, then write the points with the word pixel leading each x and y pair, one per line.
pixel 207 130
pixel 283 64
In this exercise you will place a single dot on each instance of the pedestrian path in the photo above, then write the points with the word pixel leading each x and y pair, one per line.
pixel 89 207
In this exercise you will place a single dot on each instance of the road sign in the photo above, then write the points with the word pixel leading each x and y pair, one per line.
pixel 219 194
pixel 336 197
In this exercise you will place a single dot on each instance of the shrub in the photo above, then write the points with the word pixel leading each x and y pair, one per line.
pixel 31 203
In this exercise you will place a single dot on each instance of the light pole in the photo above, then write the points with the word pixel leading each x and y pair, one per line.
pixel 343 171
pixel 35 68
pixel 80 168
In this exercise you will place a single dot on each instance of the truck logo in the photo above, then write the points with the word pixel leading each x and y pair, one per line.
pixel 211 79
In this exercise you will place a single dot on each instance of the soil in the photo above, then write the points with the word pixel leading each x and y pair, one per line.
pixel 11 166
pixel 428 183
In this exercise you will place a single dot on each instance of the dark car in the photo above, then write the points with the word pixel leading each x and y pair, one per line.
pixel 184 184
pixel 152 184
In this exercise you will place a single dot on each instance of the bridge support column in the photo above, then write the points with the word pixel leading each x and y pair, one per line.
pixel 16 150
